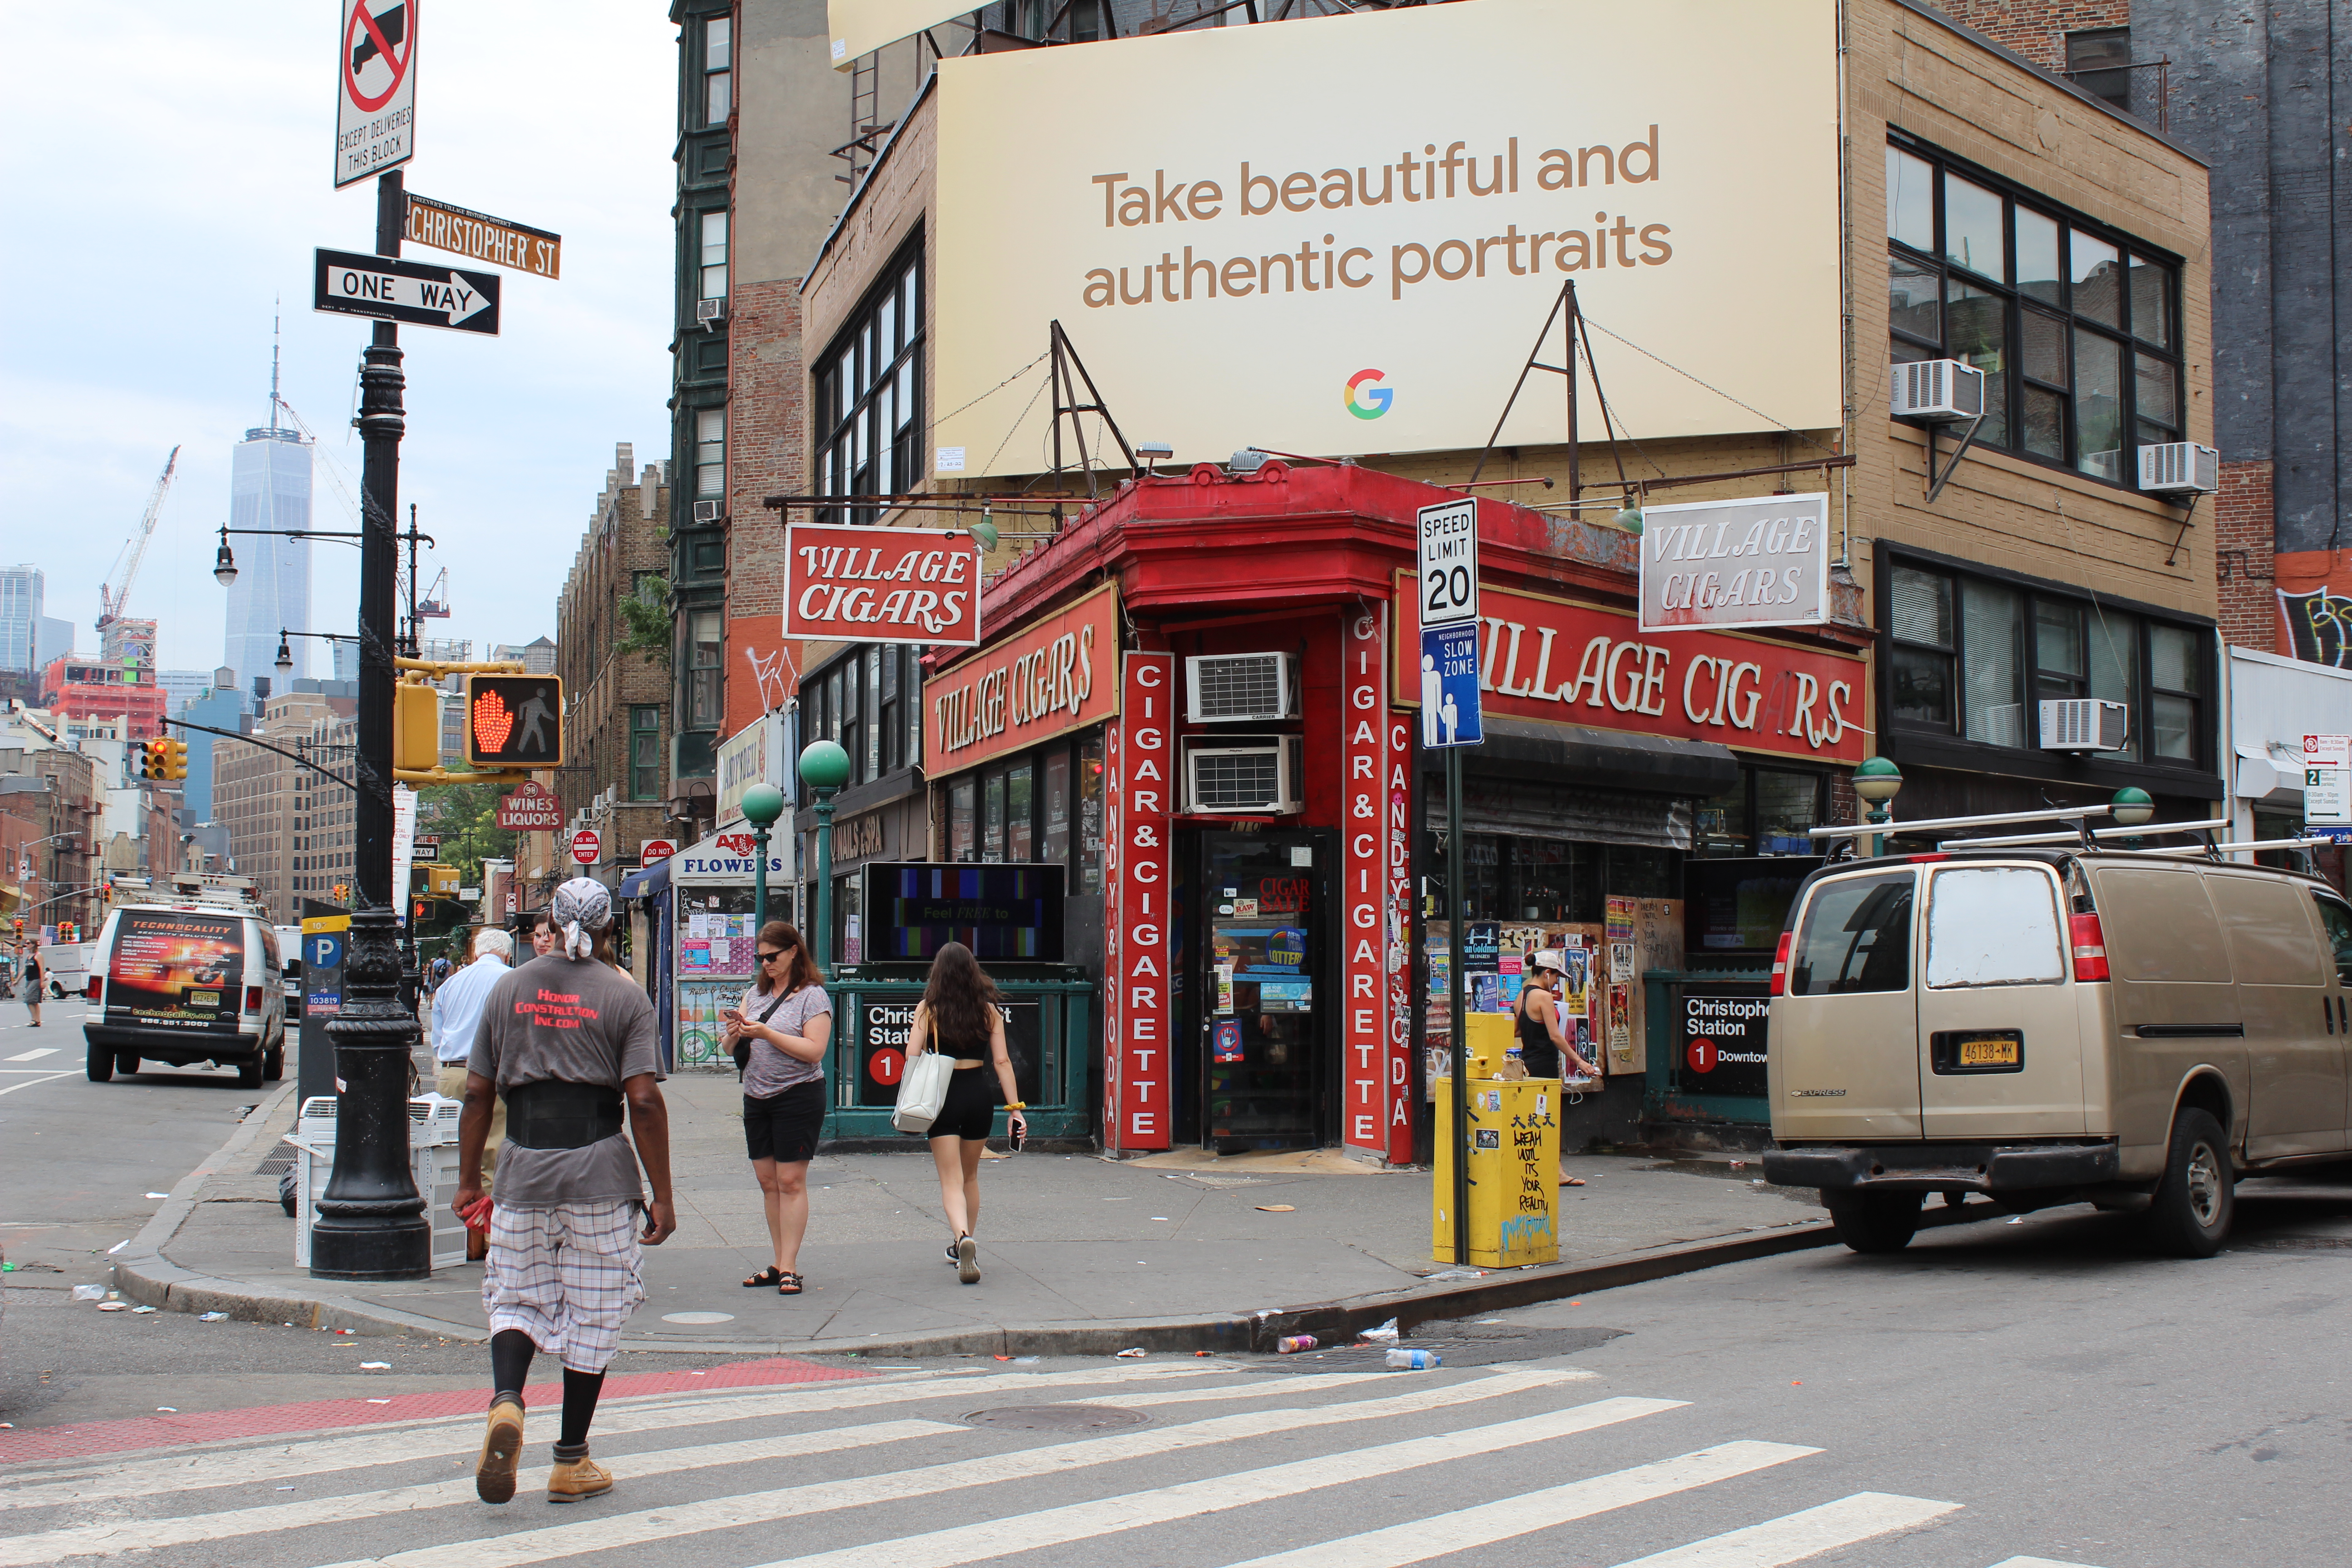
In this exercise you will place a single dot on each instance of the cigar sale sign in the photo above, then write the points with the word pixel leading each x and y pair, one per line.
pixel 882 585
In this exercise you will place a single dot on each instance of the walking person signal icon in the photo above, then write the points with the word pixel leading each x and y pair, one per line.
pixel 514 721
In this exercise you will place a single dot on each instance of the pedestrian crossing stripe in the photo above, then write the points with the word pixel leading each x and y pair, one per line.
pixel 445 1505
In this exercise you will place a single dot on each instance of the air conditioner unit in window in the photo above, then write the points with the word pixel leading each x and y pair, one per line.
pixel 707 510
pixel 1937 392
pixel 708 311
pixel 2084 724
pixel 2180 467
pixel 1252 775
pixel 1241 687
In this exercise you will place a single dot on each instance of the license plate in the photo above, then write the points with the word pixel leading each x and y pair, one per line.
pixel 203 998
pixel 1993 1052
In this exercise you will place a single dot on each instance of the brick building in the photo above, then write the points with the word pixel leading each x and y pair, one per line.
pixel 617 705
pixel 290 829
pixel 54 797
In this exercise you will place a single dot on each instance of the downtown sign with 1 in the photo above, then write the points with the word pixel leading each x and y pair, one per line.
pixel 414 292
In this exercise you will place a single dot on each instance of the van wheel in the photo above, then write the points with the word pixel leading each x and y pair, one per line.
pixel 127 1064
pixel 273 1065
pixel 248 1073
pixel 2198 1197
pixel 1875 1222
pixel 98 1063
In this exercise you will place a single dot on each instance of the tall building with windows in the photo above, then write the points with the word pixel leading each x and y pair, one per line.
pixel 616 722
pixel 290 828
pixel 21 589
pixel 270 488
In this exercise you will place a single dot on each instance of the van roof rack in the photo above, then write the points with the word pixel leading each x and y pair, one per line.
pixel 1849 832
pixel 2143 830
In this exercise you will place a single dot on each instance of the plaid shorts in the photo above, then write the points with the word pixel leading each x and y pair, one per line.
pixel 567 1276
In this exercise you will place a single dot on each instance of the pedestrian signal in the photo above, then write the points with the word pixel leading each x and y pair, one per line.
pixel 514 721
pixel 416 727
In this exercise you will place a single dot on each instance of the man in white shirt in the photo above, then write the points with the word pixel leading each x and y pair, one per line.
pixel 456 1018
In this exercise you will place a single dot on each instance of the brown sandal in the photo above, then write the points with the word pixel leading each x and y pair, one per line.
pixel 788 1284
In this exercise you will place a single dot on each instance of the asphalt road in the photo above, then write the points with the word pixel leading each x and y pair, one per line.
pixel 2026 1394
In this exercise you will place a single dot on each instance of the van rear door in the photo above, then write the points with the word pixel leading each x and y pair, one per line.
pixel 176 970
pixel 1845 1056
pixel 1999 1048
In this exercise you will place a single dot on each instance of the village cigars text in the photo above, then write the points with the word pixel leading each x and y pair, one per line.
pixel 1456 176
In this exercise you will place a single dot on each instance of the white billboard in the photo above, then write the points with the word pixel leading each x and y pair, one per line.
pixel 1754 561
pixel 1341 234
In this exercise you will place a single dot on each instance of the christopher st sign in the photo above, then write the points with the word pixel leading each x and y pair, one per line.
pixel 882 585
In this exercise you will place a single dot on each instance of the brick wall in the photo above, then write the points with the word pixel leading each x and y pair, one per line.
pixel 625 537
pixel 767 401
pixel 2242 523
pixel 2036 28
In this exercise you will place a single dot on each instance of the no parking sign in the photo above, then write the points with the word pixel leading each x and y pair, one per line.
pixel 375 88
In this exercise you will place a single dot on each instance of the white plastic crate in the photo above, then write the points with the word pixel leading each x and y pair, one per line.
pixel 432 1121
pixel 435 1172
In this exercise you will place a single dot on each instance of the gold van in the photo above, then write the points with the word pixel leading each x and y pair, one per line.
pixel 2056 1026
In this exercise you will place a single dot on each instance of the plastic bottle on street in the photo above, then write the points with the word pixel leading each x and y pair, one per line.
pixel 1414 1360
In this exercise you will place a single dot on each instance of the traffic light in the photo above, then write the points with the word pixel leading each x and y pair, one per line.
pixel 514 721
pixel 175 758
pixel 155 758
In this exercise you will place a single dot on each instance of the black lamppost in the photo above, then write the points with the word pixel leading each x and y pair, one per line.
pixel 371 1221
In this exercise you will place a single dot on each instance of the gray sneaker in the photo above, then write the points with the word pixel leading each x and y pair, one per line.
pixel 967 1261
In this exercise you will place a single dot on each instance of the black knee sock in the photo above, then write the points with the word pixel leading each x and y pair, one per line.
pixel 580 1392
pixel 510 1353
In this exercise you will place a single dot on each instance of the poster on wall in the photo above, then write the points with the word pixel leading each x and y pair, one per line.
pixel 699 1044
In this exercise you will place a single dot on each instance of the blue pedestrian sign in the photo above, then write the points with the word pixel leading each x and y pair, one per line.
pixel 322 949
pixel 1449 686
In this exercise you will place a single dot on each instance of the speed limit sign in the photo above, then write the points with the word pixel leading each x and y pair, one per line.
pixel 1448 556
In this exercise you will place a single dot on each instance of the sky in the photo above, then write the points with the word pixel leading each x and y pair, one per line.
pixel 169 171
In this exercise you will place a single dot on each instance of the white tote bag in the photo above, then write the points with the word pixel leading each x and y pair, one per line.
pixel 922 1091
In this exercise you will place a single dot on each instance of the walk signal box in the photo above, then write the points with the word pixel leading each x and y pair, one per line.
pixel 514 721
pixel 416 727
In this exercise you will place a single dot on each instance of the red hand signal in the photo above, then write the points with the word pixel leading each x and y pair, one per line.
pixel 492 722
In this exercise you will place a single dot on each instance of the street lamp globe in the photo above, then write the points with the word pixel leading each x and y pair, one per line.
pixel 224 565
pixel 2134 807
pixel 285 658
pixel 1877 781
pixel 763 804
pixel 824 766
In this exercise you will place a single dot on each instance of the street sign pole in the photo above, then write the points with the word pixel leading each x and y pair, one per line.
pixel 1454 993
pixel 371 1220
pixel 1447 596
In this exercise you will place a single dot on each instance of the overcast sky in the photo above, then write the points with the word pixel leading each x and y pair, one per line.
pixel 168 170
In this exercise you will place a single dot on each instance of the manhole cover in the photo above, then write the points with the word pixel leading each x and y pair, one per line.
pixel 1057 1417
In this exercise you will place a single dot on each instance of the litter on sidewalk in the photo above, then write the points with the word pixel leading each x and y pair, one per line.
pixel 212 1317
pixel 1386 1333
pixel 1133 1353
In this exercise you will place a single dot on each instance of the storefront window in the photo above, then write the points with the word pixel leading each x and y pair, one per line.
pixel 963 839
pixel 1019 809
pixel 1767 814
pixel 992 819
pixel 1090 814
pixel 1054 842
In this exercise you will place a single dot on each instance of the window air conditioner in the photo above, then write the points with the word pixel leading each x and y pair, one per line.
pixel 1937 392
pixel 1243 775
pixel 1242 687
pixel 709 310
pixel 2180 467
pixel 706 510
pixel 2084 724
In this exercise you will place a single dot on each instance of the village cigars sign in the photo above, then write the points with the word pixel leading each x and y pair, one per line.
pixel 881 585
pixel 1541 658
pixel 1055 675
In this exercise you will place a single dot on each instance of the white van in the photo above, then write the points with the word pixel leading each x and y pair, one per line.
pixel 2044 1026
pixel 184 983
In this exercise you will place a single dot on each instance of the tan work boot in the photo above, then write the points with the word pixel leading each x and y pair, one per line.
pixel 577 1480
pixel 494 1476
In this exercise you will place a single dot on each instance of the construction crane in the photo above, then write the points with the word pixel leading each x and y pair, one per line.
pixel 434 604
pixel 112 595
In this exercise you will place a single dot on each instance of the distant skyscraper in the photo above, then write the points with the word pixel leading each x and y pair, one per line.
pixel 269 488
pixel 181 685
pixel 20 618
pixel 347 660
pixel 56 640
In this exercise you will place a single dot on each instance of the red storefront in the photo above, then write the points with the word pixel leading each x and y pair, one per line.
pixel 1200 697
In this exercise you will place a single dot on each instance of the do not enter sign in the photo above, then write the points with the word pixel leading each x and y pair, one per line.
pixel 586 847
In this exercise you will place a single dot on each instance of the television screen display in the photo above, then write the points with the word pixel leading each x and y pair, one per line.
pixel 1010 912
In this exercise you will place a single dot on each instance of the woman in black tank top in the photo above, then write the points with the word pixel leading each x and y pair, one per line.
pixel 1541 1036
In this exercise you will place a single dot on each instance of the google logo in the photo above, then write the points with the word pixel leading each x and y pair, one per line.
pixel 1375 398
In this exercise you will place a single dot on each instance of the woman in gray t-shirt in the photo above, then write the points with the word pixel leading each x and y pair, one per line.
pixel 786 1020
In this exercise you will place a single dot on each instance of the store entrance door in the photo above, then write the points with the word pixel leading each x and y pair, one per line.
pixel 1260 914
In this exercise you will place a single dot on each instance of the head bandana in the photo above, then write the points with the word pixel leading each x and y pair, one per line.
pixel 581 908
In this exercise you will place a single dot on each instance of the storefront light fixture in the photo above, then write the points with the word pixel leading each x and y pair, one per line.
pixel 1150 453
pixel 1248 460
pixel 1628 519
pixel 1878 781
pixel 985 531
pixel 2134 807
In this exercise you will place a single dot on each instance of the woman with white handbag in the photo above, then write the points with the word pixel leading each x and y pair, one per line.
pixel 956 1068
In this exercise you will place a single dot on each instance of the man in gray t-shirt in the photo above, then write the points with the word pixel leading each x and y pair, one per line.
pixel 565 1041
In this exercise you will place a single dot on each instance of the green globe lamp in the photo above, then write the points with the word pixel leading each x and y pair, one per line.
pixel 825 768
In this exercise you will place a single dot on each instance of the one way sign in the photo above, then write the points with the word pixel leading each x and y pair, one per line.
pixel 415 292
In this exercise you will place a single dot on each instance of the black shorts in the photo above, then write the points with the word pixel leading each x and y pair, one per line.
pixel 969 1109
pixel 784 1127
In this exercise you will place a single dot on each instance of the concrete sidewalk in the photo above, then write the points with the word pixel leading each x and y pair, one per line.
pixel 1078 1255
